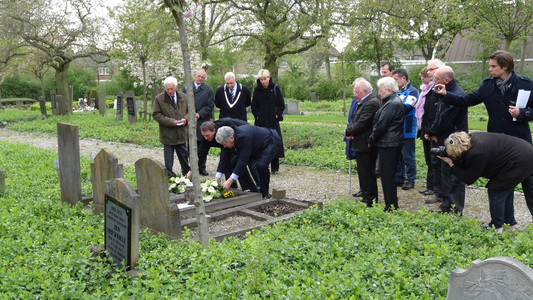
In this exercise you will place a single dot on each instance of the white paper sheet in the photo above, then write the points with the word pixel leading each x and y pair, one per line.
pixel 522 99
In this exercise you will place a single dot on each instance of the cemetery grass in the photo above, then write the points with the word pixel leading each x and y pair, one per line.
pixel 342 251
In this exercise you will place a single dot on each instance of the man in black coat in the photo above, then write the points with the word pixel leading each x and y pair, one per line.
pixel 449 119
pixel 358 131
pixel 232 98
pixel 209 130
pixel 204 103
pixel 252 144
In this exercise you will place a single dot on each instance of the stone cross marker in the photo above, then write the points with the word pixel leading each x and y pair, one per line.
pixel 105 167
pixel 120 105
pixel 122 217
pixel 102 106
pixel 494 278
pixel 2 181
pixel 157 212
pixel 130 104
pixel 68 149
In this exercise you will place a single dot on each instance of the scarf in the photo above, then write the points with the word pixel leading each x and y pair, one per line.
pixel 502 83
pixel 419 112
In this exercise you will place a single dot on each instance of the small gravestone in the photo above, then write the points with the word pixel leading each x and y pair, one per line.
pixel 122 217
pixel 102 106
pixel 120 105
pixel 155 91
pixel 62 105
pixel 71 98
pixel 494 278
pixel 130 104
pixel 93 103
pixel 2 181
pixel 138 104
pixel 157 212
pixel 293 108
pixel 53 102
pixel 42 105
pixel 105 167
pixel 19 103
pixel 81 103
pixel 68 150
pixel 313 97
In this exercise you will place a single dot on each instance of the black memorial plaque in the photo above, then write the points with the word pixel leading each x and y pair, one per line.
pixel 130 103
pixel 118 232
pixel 53 101
pixel 120 99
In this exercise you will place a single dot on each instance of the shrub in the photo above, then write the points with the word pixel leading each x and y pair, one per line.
pixel 18 86
pixel 92 93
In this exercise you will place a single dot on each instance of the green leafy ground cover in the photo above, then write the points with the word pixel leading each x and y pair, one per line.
pixel 344 251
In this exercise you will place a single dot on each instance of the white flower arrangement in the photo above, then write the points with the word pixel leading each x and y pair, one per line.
pixel 210 188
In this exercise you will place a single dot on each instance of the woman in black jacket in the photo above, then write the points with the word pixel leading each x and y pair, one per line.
pixel 503 159
pixel 267 107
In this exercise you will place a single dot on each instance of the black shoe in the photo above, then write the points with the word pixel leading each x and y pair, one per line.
pixel 204 172
pixel 274 172
pixel 400 184
pixel 429 192
pixel 433 200
pixel 408 185
pixel 424 191
pixel 359 193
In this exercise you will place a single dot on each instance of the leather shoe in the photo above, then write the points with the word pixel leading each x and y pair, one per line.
pixel 424 191
pixel 407 185
pixel 433 200
pixel 204 172
pixel 429 192
pixel 359 193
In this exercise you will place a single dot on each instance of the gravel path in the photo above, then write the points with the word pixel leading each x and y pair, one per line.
pixel 300 182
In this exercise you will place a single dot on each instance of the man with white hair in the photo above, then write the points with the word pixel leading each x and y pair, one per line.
pixel 233 98
pixel 170 111
pixel 252 145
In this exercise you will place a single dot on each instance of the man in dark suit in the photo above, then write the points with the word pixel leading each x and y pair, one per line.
pixel 251 144
pixel 358 131
pixel 204 102
pixel 233 98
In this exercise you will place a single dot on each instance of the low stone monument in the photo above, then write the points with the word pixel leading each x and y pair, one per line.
pixel 494 278
pixel 122 219
pixel 314 97
pixel 132 109
pixel 42 105
pixel 120 105
pixel 105 167
pixel 2 181
pixel 19 103
pixel 93 103
pixel 68 150
pixel 157 212
pixel 102 106
pixel 53 102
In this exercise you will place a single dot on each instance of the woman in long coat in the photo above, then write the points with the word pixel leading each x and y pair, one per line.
pixel 267 107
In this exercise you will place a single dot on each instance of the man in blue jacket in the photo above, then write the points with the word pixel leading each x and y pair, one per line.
pixel 406 170
pixel 499 92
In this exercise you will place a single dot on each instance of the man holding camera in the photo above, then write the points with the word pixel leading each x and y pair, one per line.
pixel 449 119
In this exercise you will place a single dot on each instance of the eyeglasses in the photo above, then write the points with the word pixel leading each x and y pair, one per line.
pixel 432 69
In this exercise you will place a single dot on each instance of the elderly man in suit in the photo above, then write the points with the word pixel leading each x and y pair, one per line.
pixel 170 111
pixel 233 98
pixel 251 144
pixel 204 103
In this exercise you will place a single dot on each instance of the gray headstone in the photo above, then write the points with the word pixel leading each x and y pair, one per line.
pixel 42 105
pixel 2 181
pixel 68 149
pixel 93 103
pixel 105 167
pixel 81 103
pixel 71 97
pixel 121 190
pixel 155 91
pixel 53 102
pixel 494 278
pixel 130 104
pixel 293 107
pixel 313 96
pixel 19 103
pixel 120 105
pixel 138 104
pixel 102 106
pixel 157 213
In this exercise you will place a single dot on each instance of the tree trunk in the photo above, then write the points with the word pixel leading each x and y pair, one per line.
pixel 43 104
pixel 328 67
pixel 145 102
pixel 62 89
pixel 203 234
pixel 272 67
pixel 522 57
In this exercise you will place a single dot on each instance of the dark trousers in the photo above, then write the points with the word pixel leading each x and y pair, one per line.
pixel 527 187
pixel 437 163
pixel 264 176
pixel 183 157
pixel 430 178
pixel 201 160
pixel 453 191
pixel 274 165
pixel 366 165
pixel 501 207
pixel 245 180
pixel 388 161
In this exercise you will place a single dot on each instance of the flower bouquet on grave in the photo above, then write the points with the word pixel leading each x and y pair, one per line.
pixel 177 184
pixel 212 190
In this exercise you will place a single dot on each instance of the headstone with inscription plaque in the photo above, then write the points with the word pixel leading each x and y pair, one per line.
pixel 120 104
pixel 130 104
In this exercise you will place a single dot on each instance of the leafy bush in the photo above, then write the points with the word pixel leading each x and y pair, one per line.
pixel 21 86
pixel 13 101
pixel 92 93
pixel 37 107
pixel 328 91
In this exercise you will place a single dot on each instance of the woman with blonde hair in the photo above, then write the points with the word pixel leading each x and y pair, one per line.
pixel 503 159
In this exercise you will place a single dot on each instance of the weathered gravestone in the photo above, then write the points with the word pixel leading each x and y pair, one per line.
pixel 81 103
pixel 53 102
pixel 130 104
pixel 19 103
pixel 293 107
pixel 496 278
pixel 122 219
pixel 314 97
pixel 42 105
pixel 2 181
pixel 102 106
pixel 105 167
pixel 157 212
pixel 120 105
pixel 93 102
pixel 138 104
pixel 68 149
pixel 71 98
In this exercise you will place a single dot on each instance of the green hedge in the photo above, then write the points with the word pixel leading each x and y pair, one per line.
pixel 13 101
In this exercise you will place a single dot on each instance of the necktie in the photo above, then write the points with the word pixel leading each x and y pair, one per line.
pixel 231 94
pixel 173 101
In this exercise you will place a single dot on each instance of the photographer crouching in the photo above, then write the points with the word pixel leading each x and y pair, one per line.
pixel 503 159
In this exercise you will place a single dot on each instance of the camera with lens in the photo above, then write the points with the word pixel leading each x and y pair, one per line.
pixel 439 151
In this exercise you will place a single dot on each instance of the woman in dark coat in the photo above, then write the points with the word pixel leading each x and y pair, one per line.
pixel 267 107
pixel 504 159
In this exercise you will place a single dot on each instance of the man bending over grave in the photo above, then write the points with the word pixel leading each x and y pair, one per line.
pixel 170 111
pixel 251 144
